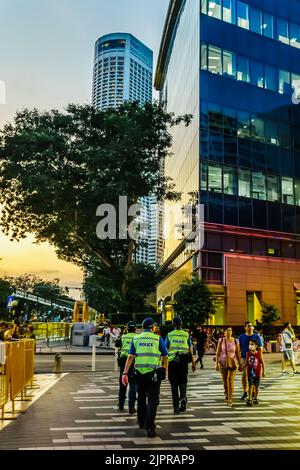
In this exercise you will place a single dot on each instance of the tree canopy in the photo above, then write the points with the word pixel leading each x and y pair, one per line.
pixel 56 168
pixel 194 302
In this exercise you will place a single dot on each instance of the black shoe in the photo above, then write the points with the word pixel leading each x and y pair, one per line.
pixel 121 408
pixel 183 404
pixel 176 410
pixel 245 394
pixel 131 411
pixel 142 426
pixel 151 433
pixel 249 402
pixel 255 401
pixel 201 367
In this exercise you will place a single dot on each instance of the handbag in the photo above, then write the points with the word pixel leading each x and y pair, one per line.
pixel 231 363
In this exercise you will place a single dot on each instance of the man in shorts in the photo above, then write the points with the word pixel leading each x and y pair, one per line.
pixel 244 341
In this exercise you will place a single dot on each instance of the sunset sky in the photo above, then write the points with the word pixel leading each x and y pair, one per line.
pixel 46 51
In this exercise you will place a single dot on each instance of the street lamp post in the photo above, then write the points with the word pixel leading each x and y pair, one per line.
pixel 163 311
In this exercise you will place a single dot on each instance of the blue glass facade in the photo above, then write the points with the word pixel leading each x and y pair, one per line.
pixel 249 146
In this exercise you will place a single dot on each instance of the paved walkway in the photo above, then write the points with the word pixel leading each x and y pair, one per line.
pixel 79 412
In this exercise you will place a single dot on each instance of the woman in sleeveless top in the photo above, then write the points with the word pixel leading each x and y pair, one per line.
pixel 227 356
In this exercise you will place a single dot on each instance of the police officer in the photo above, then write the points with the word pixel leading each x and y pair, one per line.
pixel 124 344
pixel 147 350
pixel 179 346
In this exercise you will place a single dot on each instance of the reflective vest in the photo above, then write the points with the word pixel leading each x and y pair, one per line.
pixel 126 343
pixel 178 340
pixel 147 353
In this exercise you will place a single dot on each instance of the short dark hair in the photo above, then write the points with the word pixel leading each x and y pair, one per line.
pixel 286 324
pixel 248 323
pixel 254 341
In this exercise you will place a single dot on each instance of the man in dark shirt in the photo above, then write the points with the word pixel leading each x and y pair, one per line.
pixel 201 338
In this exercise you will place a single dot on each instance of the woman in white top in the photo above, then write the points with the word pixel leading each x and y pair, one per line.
pixel 286 339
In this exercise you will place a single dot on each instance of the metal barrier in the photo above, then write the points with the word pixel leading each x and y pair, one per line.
pixel 51 334
pixel 17 372
pixel 4 380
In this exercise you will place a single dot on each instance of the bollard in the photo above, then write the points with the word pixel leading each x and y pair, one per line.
pixel 58 364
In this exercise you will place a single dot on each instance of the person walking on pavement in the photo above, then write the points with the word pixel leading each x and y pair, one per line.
pixel 124 343
pixel 244 341
pixel 286 338
pixel 201 338
pixel 227 356
pixel 180 350
pixel 146 350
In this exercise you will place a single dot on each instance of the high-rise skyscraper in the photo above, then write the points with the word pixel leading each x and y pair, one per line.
pixel 122 71
pixel 123 68
pixel 241 154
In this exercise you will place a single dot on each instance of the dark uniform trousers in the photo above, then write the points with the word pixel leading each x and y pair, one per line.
pixel 148 401
pixel 131 385
pixel 178 374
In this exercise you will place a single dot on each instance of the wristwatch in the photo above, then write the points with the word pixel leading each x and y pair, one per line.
pixel 124 374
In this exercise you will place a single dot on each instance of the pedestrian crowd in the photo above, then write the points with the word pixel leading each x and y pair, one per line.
pixel 15 331
pixel 145 360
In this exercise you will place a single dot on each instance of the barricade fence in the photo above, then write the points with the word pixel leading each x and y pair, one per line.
pixel 47 334
pixel 16 373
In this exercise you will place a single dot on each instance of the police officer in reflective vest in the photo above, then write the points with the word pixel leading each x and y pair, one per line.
pixel 124 344
pixel 147 349
pixel 179 347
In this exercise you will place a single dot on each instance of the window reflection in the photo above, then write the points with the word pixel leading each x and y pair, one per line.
pixel 268 25
pixel 256 20
pixel 287 190
pixel 215 60
pixel 271 78
pixel 295 35
pixel 257 73
pixel 215 179
pixel 215 8
pixel 243 69
pixel 283 31
pixel 229 11
pixel 243 15
pixel 230 181
pixel 258 186
pixel 273 192
pixel 297 192
pixel 229 64
pixel 244 183
pixel 284 82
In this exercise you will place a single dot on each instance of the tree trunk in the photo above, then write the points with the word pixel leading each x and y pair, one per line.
pixel 128 266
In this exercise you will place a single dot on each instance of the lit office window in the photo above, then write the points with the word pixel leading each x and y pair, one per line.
pixel 243 15
pixel 257 73
pixel 284 82
pixel 229 11
pixel 244 130
pixel 268 25
pixel 283 31
pixel 243 68
pixel 297 193
pixel 296 84
pixel 229 181
pixel 258 186
pixel 273 191
pixel 203 56
pixel 295 35
pixel 204 176
pixel 229 64
pixel 244 183
pixel 215 179
pixel 215 60
pixel 215 8
pixel 204 7
pixel 256 20
pixel 287 190
pixel 271 132
pixel 271 78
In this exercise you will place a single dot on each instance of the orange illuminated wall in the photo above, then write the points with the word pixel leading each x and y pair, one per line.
pixel 274 277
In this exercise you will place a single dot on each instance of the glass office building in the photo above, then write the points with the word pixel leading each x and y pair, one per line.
pixel 236 67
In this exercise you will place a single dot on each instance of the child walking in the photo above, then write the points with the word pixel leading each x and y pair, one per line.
pixel 255 370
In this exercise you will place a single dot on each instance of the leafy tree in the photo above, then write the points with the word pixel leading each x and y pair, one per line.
pixel 270 314
pixel 101 288
pixel 194 302
pixel 57 168
pixel 5 291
